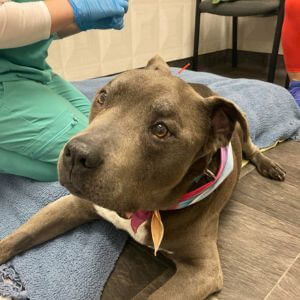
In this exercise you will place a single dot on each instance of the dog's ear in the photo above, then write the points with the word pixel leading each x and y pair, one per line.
pixel 157 63
pixel 223 115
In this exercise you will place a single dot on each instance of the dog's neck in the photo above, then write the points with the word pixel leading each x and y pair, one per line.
pixel 220 162
pixel 208 174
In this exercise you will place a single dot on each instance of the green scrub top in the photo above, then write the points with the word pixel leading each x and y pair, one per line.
pixel 28 62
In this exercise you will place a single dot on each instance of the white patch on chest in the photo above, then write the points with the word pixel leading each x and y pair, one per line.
pixel 124 224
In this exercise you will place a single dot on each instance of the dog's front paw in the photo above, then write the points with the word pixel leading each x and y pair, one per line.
pixel 268 168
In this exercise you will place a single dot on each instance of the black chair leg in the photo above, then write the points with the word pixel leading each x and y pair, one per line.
pixel 276 43
pixel 234 41
pixel 287 81
pixel 196 36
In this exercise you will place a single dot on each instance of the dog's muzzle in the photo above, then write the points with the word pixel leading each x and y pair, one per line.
pixel 80 155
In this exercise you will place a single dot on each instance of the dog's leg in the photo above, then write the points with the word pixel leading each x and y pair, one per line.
pixel 51 221
pixel 264 165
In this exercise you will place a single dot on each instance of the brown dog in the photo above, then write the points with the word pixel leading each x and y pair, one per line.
pixel 150 135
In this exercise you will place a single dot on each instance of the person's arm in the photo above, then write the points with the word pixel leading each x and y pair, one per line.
pixel 116 23
pixel 61 13
pixel 90 14
pixel 67 31
pixel 23 23
pixel 63 19
pixel 26 23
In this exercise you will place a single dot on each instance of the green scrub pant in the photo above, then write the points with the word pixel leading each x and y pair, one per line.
pixel 36 120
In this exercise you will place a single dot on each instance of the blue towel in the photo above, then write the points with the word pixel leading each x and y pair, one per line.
pixel 271 110
pixel 76 265
pixel 73 266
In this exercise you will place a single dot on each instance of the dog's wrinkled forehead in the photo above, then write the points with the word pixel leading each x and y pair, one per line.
pixel 147 85
pixel 146 94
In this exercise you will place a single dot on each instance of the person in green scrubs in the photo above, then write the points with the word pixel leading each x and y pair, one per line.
pixel 39 110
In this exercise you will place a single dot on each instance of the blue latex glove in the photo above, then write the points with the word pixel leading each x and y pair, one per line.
pixel 88 11
pixel 107 23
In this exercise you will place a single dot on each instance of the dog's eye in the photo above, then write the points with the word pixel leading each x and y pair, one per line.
pixel 102 97
pixel 160 130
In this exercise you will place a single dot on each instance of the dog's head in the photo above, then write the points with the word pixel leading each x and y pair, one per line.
pixel 150 134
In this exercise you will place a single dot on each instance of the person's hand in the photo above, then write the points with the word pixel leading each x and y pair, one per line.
pixel 89 12
pixel 107 23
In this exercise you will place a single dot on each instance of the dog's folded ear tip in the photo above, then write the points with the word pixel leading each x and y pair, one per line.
pixel 156 58
pixel 157 63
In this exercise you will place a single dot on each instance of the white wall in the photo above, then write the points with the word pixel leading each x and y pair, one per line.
pixel 164 27
pixel 257 33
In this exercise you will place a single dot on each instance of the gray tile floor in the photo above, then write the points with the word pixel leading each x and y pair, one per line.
pixel 260 234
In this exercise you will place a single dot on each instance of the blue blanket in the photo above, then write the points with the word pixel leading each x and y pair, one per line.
pixel 76 265
pixel 73 266
pixel 271 110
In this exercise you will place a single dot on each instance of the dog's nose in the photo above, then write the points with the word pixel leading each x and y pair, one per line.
pixel 80 154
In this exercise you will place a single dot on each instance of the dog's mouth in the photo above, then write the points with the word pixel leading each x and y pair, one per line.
pixel 76 190
pixel 72 188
